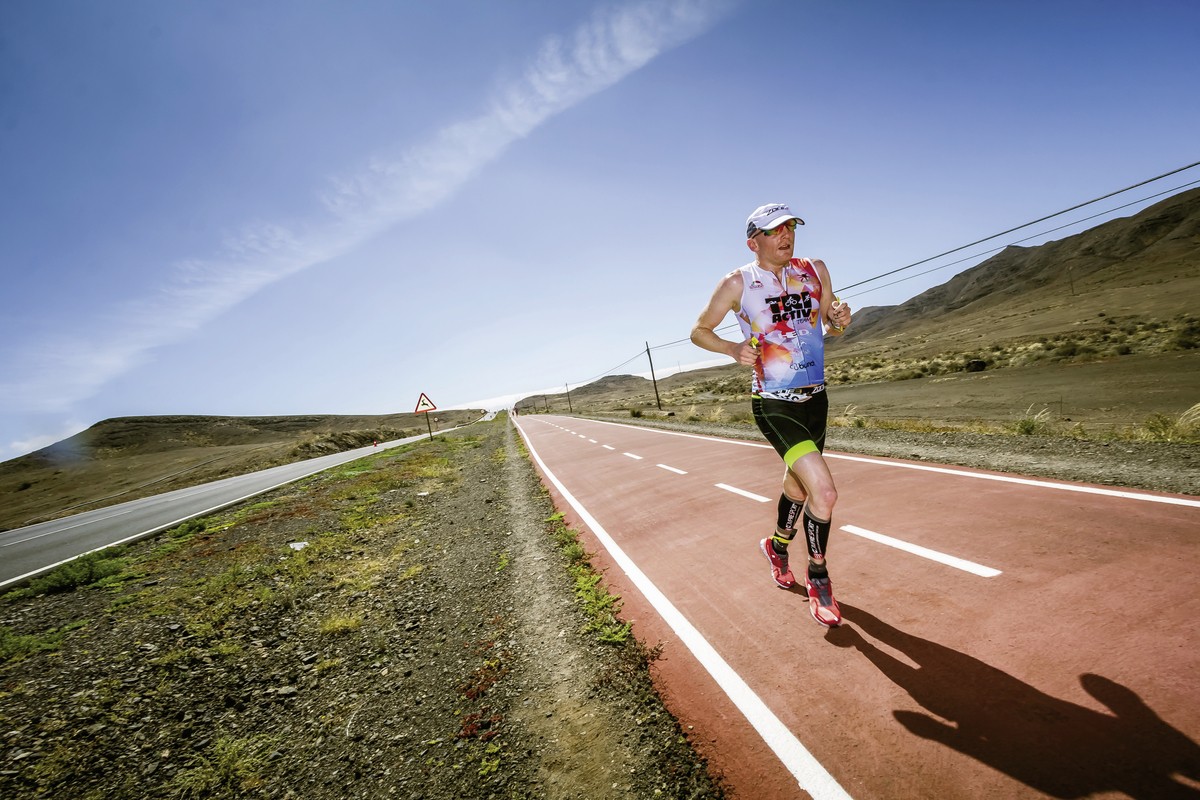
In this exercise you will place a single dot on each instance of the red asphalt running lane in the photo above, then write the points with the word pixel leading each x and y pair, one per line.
pixel 1003 636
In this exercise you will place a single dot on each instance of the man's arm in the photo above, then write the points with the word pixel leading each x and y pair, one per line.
pixel 724 299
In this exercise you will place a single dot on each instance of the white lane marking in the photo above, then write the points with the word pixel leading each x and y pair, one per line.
pixel 671 469
pixel 631 455
pixel 608 447
pixel 593 441
pixel 581 436
pixel 808 772
pixel 743 492
pixel 1067 487
pixel 924 552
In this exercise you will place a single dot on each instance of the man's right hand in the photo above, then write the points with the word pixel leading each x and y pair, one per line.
pixel 746 352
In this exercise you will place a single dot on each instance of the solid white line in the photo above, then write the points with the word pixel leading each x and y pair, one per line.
pixel 671 469
pixel 743 492
pixel 631 455
pixel 808 772
pixel 1066 487
pixel 924 552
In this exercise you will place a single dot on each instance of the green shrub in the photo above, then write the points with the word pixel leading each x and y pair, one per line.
pixel 1032 424
pixel 1067 349
pixel 82 571
pixel 15 645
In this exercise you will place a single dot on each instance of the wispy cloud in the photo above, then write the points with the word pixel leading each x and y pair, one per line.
pixel 614 43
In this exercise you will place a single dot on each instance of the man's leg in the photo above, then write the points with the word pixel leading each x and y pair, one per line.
pixel 812 474
pixel 775 548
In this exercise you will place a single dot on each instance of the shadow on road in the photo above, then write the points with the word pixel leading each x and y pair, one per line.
pixel 1054 746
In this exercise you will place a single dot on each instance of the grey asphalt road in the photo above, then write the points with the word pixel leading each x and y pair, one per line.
pixel 29 551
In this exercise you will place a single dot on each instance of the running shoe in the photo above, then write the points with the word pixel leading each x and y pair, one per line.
pixel 821 605
pixel 780 571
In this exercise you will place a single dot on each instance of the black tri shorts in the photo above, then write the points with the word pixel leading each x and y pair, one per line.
pixel 793 429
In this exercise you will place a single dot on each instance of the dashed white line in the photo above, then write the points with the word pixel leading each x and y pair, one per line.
pixel 924 552
pixel 608 447
pixel 631 455
pixel 743 493
pixel 671 469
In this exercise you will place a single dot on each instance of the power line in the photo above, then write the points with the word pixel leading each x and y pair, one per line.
pixel 614 369
pixel 1027 238
pixel 1019 227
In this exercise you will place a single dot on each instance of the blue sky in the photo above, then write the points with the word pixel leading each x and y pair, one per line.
pixel 324 207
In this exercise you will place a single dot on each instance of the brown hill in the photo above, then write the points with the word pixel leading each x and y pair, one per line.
pixel 1147 264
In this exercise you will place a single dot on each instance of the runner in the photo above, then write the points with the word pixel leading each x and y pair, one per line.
pixel 785 306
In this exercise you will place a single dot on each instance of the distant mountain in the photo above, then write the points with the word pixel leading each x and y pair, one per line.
pixel 1145 263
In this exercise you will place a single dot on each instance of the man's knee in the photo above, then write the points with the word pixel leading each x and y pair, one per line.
pixel 826 495
pixel 821 499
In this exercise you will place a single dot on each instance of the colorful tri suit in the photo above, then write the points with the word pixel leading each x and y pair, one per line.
pixel 784 315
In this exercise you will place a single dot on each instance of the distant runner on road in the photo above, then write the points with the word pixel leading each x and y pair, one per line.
pixel 785 306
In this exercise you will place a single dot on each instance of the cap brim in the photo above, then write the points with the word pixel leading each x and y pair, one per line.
pixel 782 220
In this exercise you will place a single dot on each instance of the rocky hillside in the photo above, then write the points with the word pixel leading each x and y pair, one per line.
pixel 1117 268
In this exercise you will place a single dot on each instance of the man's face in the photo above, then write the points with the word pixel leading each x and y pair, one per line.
pixel 777 244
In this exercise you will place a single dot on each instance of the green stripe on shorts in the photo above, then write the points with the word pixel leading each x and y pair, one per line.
pixel 796 452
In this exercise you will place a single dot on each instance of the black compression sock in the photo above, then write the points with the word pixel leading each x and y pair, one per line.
pixel 816 535
pixel 789 512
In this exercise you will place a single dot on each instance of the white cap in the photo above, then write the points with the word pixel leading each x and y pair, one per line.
pixel 769 216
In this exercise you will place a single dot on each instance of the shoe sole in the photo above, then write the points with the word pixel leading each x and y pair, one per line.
pixel 823 623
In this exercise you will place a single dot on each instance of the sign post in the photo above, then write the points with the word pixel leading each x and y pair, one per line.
pixel 424 406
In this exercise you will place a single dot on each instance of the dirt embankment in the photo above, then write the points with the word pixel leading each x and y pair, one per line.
pixel 428 641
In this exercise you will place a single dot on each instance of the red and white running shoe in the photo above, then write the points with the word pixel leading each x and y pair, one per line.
pixel 781 573
pixel 821 605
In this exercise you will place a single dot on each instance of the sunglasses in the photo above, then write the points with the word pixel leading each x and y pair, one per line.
pixel 790 225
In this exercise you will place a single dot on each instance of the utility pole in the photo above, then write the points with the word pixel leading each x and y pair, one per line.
pixel 652 378
pixel 569 407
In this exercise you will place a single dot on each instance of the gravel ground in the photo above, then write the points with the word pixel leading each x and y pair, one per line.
pixel 428 643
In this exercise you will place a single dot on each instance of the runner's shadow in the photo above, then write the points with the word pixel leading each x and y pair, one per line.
pixel 1054 746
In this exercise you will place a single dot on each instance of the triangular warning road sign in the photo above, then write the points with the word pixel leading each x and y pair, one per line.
pixel 424 404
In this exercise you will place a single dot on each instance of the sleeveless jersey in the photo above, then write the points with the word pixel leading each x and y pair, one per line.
pixel 785 317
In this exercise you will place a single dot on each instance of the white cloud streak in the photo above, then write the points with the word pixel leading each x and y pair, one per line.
pixel 614 43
